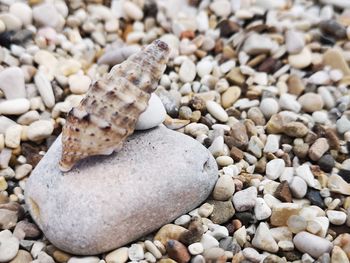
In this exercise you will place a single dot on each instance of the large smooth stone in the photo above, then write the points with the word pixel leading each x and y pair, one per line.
pixel 109 201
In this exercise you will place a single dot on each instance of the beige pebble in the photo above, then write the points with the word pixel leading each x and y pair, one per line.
pixel 318 148
pixel 335 59
pixel 301 60
pixel 311 102
pixel 13 136
pixel 23 170
pixel 79 84
pixel 39 130
pixel 230 96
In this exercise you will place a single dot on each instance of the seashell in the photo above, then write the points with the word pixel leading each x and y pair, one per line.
pixel 109 112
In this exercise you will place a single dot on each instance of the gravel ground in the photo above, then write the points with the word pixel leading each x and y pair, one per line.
pixel 262 84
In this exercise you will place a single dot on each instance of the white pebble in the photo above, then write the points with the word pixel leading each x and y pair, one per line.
pixel 269 107
pixel 39 130
pixel 14 106
pixel 195 248
pixel 216 111
pixel 187 72
pixel 274 168
pixel 336 217
pixel 45 89
pixel 79 84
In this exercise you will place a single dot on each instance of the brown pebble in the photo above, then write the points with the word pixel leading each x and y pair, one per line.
pixel 301 150
pixel 250 127
pixel 236 154
pixel 269 65
pixel 318 149
pixel 295 129
pixel 333 139
pixel 197 103
pixel 194 233
pixel 239 133
pixel 283 192
pixel 29 230
pixel 228 27
pixel 177 251
pixel 260 166
pixel 295 85
pixel 235 77
pixel 275 124
pixel 61 256
pixel 256 116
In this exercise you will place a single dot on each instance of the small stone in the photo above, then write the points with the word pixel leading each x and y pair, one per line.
pixel 224 188
pixel 177 251
pixel 194 233
pixel 295 85
pixel 301 60
pixel 118 55
pixel 236 154
pixel 14 106
pixel 263 239
pixel 245 199
pixel 281 212
pixel 235 77
pixel 221 8
pixel 28 118
pixel 295 129
pixel 339 256
pixel 196 248
pixel 154 114
pixel 304 172
pixel 289 102
pixel 261 210
pixel 216 111
pixel 257 44
pixel 132 10
pixel 22 11
pixel 136 252
pixel 343 124
pixel 12 23
pixel 22 257
pixel 296 223
pixel 294 42
pixel 29 230
pixel 333 29
pixel 230 96
pixel 45 89
pixel 9 246
pixel 209 241
pixel 274 168
pixel 318 148
pixel 152 248
pixel 187 72
pixel 214 254
pixel 312 244
pixel 272 143
pixel 269 107
pixel 311 102
pixel 283 192
pixel 13 136
pixel 12 83
pixel 256 116
pixel 204 67
pixel 224 160
pixel 239 136
pixel 8 218
pixel 298 187
pixel 336 217
pixel 335 59
pixel 119 255
pixel 223 211
pixel 205 210
pixel 46 14
pixel 83 260
pixel 79 84
pixel 39 130
pixel 169 231
pixel 217 146
pixel 320 78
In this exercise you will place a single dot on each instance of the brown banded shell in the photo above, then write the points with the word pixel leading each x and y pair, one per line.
pixel 110 110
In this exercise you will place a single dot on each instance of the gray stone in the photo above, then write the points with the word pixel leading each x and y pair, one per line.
pixel 156 177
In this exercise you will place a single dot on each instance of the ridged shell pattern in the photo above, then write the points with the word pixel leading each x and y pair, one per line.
pixel 109 112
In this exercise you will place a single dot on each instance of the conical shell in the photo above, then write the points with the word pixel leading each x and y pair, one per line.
pixel 109 112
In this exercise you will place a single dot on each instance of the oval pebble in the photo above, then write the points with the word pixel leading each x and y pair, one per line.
pixel 216 111
pixel 9 246
pixel 39 130
pixel 14 106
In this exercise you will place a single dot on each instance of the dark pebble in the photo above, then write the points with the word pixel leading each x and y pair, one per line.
pixel 270 65
pixel 177 251
pixel 194 233
pixel 227 28
pixel 283 192
pixel 326 163
pixel 315 197
pixel 247 218
pixel 150 9
pixel 345 174
pixel 333 28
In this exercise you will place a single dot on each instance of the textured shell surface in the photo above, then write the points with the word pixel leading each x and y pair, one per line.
pixel 109 112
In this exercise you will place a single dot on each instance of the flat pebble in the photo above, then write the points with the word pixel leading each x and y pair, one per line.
pixel 13 136
pixel 304 172
pixel 336 217
pixel 196 248
pixel 46 14
pixel 136 252
pixel 187 72
pixel 79 84
pixel 45 89
pixel 84 260
pixel 312 244
pixel 318 149
pixel 14 106
pixel 230 96
pixel 132 10
pixel 298 187
pixel 22 11
pixel 216 111
pixel 221 8
pixel 272 143
pixel 301 60
pixel 311 102
pixel 257 44
pixel 39 130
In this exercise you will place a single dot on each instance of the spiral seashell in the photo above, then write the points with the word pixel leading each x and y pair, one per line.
pixel 108 114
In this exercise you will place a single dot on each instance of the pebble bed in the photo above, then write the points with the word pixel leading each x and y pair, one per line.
pixel 262 84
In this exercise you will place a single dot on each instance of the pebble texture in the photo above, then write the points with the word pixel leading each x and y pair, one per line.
pixel 119 193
